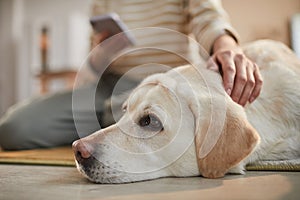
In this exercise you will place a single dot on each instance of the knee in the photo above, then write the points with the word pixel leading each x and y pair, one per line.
pixel 13 135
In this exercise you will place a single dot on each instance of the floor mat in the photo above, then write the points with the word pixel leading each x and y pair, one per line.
pixel 281 165
pixel 63 156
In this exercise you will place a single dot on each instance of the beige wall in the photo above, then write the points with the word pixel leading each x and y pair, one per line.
pixel 260 19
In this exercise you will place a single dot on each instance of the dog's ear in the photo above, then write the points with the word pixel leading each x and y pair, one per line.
pixel 223 140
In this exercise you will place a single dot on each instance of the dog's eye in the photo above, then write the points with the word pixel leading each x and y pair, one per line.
pixel 151 122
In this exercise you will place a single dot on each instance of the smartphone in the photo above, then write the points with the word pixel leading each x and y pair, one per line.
pixel 112 24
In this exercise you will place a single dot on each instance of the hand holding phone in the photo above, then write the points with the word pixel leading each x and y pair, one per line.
pixel 111 35
pixel 109 25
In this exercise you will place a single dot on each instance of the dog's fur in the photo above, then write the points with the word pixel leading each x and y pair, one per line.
pixel 204 131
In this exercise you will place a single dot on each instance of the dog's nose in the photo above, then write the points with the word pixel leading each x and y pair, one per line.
pixel 82 149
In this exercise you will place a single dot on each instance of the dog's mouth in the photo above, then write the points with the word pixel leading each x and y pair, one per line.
pixel 102 167
pixel 109 173
pixel 99 172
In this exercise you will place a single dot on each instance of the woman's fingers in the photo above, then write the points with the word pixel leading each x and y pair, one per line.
pixel 226 60
pixel 212 65
pixel 241 77
pixel 250 83
pixel 97 38
pixel 258 84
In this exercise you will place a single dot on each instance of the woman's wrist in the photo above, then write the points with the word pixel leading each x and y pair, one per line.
pixel 224 42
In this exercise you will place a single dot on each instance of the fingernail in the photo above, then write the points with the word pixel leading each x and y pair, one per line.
pixel 228 91
pixel 251 99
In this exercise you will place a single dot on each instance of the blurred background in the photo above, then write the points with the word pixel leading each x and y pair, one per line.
pixel 44 42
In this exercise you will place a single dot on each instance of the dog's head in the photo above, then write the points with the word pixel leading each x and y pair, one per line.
pixel 174 124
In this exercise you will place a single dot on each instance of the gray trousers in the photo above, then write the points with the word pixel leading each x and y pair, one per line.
pixel 47 121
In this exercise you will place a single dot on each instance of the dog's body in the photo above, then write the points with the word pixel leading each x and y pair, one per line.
pixel 155 136
pixel 276 113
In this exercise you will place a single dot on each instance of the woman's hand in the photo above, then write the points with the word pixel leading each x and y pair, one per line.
pixel 103 52
pixel 97 38
pixel 241 77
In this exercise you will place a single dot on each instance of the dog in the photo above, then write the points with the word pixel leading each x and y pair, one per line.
pixel 182 123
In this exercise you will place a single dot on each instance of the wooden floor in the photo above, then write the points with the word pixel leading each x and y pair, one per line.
pixel 46 182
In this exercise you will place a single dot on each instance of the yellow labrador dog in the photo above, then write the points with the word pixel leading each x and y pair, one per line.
pixel 182 123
